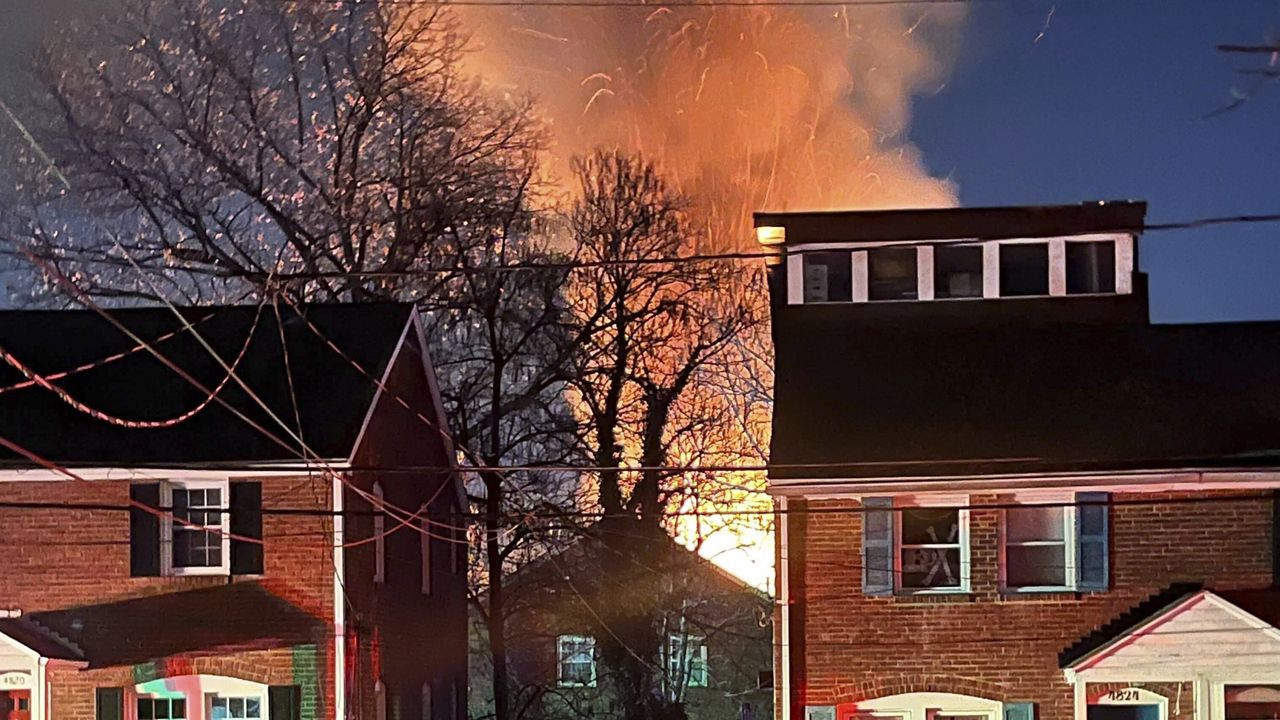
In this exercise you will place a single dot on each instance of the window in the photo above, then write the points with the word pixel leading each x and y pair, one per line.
pixel 891 274
pixel 1024 269
pixel 198 534
pixel 162 708
pixel 931 551
pixel 424 528
pixel 1091 267
pixel 1038 547
pixel 576 661
pixel 234 708
pixel 828 277
pixel 379 536
pixel 426 701
pixel 1251 702
pixel 687 660
pixel 957 271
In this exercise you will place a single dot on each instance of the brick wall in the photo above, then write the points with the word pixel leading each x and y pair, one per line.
pixel 987 644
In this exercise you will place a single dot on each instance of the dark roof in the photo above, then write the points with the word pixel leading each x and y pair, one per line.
pixel 42 640
pixel 333 397
pixel 220 619
pixel 1127 621
pixel 988 223
pixel 954 396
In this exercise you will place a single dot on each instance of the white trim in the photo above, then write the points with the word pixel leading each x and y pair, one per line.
pixel 1124 265
pixel 437 406
pixel 1176 479
pixel 800 248
pixel 1069 544
pixel 916 706
pixel 339 603
pixel 377 389
pixel 560 660
pixel 924 273
pixel 795 279
pixel 195 689
pixel 784 610
pixel 962 543
pixel 860 279
pixel 1057 267
pixel 990 270
pixel 1134 697
pixel 167 566
pixel 159 474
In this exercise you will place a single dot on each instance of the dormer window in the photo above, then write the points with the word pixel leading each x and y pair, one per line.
pixel 891 274
pixel 1024 269
pixel 957 271
pixel 1091 267
pixel 828 277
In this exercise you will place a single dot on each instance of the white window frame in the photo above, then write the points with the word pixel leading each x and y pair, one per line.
pixel 1069 540
pixel 428 712
pixel 167 566
pixel 684 670
pixel 210 697
pixel 561 642
pixel 917 706
pixel 379 535
pixel 962 520
pixel 133 714
pixel 198 691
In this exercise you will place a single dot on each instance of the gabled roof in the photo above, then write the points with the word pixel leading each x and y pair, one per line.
pixel 1184 630
pixel 333 397
pixel 220 619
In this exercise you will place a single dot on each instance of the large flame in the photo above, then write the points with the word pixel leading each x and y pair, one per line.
pixel 745 108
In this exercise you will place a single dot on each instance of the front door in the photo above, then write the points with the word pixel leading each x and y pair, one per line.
pixel 15 705
pixel 1124 712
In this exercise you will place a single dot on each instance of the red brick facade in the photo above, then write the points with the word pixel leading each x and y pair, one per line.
pixel 57 559
pixel 848 647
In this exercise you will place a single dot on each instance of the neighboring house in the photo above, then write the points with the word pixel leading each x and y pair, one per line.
pixel 1005 492
pixel 206 570
pixel 718 636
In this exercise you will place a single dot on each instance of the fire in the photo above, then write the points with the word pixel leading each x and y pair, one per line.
pixel 743 108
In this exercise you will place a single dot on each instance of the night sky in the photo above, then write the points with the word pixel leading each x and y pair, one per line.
pixel 1111 104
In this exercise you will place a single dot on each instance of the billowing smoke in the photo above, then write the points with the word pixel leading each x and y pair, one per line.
pixel 747 108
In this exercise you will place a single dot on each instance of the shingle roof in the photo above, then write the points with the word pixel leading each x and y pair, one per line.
pixel 1009 394
pixel 220 619
pixel 43 641
pixel 333 397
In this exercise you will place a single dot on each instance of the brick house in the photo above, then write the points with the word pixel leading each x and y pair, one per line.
pixel 718 637
pixel 207 568
pixel 1005 491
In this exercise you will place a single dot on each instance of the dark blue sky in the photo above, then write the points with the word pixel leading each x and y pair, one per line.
pixel 1110 104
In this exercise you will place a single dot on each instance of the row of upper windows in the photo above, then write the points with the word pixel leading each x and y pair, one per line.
pixel 1044 547
pixel 685 656
pixel 429 531
pixel 893 273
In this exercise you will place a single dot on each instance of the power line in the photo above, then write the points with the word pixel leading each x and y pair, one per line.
pixel 657 5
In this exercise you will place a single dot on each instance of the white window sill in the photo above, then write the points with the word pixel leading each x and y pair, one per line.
pixel 197 571
pixel 564 684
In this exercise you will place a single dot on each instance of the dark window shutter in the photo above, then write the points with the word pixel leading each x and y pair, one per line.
pixel 285 702
pixel 1020 711
pixel 246 521
pixel 1092 542
pixel 144 531
pixel 877 546
pixel 109 703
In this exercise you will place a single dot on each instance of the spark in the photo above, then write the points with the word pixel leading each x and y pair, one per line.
pixel 596 94
pixel 595 76
pixel 916 24
pixel 539 34
pixel 1047 19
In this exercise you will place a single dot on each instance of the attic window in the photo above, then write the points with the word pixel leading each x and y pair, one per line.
pixel 1091 267
pixel 891 274
pixel 957 271
pixel 828 277
pixel 1024 269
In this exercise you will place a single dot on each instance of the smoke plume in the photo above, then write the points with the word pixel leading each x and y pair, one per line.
pixel 746 108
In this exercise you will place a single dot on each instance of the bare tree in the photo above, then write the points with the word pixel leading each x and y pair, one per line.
pixel 334 144
pixel 661 327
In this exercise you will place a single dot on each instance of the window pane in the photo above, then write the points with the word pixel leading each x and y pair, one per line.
pixel 1036 566
pixel 146 710
pixel 1024 269
pixel 891 274
pixel 957 271
pixel 177 708
pixel 1035 523
pixel 930 567
pixel 1091 267
pixel 930 526
pixel 828 277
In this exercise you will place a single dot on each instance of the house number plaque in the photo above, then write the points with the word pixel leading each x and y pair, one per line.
pixel 15 681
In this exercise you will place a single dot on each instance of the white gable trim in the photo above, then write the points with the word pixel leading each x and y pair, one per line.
pixel 1085 669
pixel 377 391
pixel 28 652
